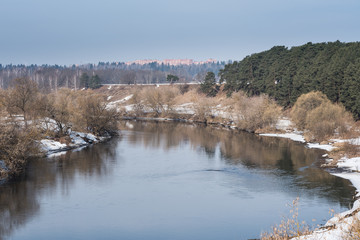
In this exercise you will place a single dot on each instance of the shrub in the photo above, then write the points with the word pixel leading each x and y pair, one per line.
pixel 160 100
pixel 320 118
pixel 255 112
pixel 202 109
pixel 137 103
pixel 16 147
pixel 323 121
pixel 304 104
pixel 154 100
pixel 91 113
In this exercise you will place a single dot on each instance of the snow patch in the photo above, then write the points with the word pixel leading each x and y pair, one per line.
pixel 351 164
pixel 78 139
pixel 52 146
pixel 186 108
pixel 293 136
pixel 129 125
pixel 326 147
pixel 113 104
pixel 283 124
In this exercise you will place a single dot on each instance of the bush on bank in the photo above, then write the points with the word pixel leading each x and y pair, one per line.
pixel 319 118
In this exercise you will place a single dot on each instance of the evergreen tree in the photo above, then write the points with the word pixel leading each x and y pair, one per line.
pixel 209 86
pixel 95 82
pixel 84 80
pixel 285 74
pixel 172 78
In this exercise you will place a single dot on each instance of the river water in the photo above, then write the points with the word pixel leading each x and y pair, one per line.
pixel 170 181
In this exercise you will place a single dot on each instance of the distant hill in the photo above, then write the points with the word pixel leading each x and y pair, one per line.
pixel 51 77
pixel 332 68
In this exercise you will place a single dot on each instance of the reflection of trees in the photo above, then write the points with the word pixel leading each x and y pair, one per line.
pixel 15 203
pixel 285 157
pixel 19 200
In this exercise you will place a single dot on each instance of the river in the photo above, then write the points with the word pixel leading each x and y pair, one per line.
pixel 170 181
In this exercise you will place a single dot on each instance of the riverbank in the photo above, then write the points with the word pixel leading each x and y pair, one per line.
pixel 340 226
pixel 51 146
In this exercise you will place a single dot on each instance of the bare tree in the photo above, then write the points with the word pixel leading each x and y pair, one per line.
pixel 22 97
pixel 92 113
pixel 56 106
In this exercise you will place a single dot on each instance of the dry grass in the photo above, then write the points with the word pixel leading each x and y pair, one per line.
pixel 353 233
pixel 188 97
pixel 138 103
pixel 344 149
pixel 289 227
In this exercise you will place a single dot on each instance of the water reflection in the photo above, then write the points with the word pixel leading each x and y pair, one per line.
pixel 19 200
pixel 281 156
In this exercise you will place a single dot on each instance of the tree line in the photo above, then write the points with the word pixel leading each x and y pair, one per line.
pixel 284 74
pixel 52 77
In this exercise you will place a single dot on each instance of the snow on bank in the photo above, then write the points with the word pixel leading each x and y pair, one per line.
pixel 293 136
pixel 341 223
pixel 186 108
pixel 284 124
pixel 352 164
pixel 114 104
pixel 49 146
pixel 338 227
pixel 78 140
pixel 327 147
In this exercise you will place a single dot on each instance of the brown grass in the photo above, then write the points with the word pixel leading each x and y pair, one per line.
pixel 289 227
pixel 345 149
pixel 354 230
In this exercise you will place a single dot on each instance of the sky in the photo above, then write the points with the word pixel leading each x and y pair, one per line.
pixel 87 31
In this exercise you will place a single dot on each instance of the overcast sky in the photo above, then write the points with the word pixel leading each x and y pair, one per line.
pixel 89 31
